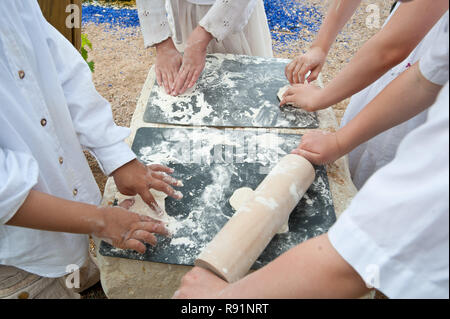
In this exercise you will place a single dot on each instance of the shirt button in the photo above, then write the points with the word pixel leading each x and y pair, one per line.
pixel 61 160
pixel 75 192
pixel 21 74
pixel 23 295
pixel 43 122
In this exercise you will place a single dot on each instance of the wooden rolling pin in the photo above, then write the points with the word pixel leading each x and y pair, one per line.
pixel 240 242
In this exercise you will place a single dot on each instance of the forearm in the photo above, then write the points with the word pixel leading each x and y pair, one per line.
pixel 199 39
pixel 385 50
pixel 312 269
pixel 404 98
pixel 45 212
pixel 338 14
pixel 227 17
pixel 154 22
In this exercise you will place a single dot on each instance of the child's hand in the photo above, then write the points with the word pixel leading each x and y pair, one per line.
pixel 313 61
pixel 319 147
pixel 304 96
pixel 200 284
pixel 194 59
pixel 168 63
pixel 136 178
pixel 127 230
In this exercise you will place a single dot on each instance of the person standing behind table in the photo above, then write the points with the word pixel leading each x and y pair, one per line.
pixel 49 200
pixel 200 27
pixel 407 34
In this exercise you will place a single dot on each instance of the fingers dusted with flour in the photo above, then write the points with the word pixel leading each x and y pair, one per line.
pixel 319 147
pixel 168 63
pixel 136 178
pixel 305 96
pixel 194 59
pixel 127 230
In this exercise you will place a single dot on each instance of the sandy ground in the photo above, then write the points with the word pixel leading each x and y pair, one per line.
pixel 122 64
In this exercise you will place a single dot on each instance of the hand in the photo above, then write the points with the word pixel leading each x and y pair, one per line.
pixel 168 63
pixel 319 147
pixel 305 96
pixel 313 61
pixel 127 230
pixel 194 58
pixel 136 178
pixel 200 284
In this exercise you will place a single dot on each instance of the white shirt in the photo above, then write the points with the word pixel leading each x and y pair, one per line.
pixel 395 232
pixel 434 64
pixel 369 157
pixel 49 112
pixel 224 18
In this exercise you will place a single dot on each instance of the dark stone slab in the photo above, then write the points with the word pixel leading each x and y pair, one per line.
pixel 231 92
pixel 209 183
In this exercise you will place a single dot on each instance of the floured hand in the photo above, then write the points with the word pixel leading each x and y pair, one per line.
pixel 194 59
pixel 305 96
pixel 136 178
pixel 126 230
pixel 319 147
pixel 168 63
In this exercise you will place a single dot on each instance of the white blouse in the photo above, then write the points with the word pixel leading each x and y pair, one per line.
pixel 49 112
pixel 225 17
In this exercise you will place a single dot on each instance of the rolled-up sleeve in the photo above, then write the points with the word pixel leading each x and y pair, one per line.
pixel 155 25
pixel 18 174
pixel 227 17
pixel 91 113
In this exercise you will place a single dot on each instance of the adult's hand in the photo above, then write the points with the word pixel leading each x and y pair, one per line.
pixel 136 178
pixel 168 63
pixel 194 58
pixel 313 61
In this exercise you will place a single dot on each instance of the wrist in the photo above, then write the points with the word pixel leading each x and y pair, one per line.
pixel 127 164
pixel 342 144
pixel 97 224
pixel 200 37
pixel 166 45
pixel 322 46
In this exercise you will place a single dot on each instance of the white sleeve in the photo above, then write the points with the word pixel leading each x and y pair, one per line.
pixel 154 22
pixel 434 64
pixel 91 113
pixel 395 233
pixel 227 17
pixel 19 173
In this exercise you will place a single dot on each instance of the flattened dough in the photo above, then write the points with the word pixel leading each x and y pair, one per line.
pixel 281 93
pixel 140 207
pixel 241 196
